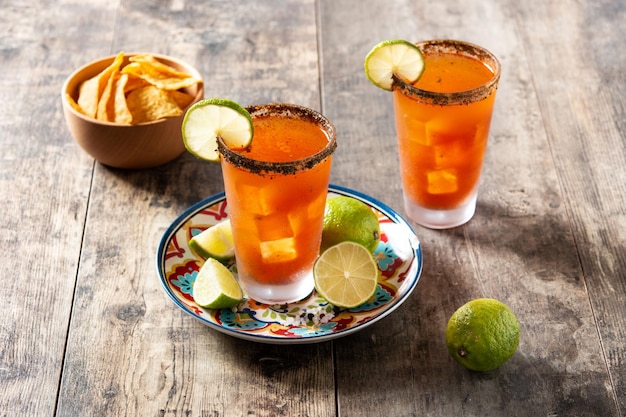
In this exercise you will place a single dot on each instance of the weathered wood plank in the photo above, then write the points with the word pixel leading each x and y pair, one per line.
pixel 577 57
pixel 520 247
pixel 130 350
pixel 44 188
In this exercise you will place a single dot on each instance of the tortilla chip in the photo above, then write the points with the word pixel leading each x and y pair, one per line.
pixel 90 91
pixel 158 66
pixel 88 96
pixel 158 74
pixel 151 103
pixel 134 82
pixel 121 113
pixel 105 104
pixel 134 70
pixel 74 104
pixel 183 100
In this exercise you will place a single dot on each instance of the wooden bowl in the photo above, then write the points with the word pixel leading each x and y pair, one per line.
pixel 138 146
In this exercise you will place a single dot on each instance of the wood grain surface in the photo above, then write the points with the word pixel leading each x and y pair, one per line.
pixel 86 329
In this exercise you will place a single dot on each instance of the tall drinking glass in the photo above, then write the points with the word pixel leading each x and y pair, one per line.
pixel 276 194
pixel 442 124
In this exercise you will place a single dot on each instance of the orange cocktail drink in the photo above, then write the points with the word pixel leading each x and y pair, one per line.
pixel 442 124
pixel 276 194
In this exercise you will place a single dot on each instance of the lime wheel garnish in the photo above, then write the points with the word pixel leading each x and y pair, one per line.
pixel 390 57
pixel 210 118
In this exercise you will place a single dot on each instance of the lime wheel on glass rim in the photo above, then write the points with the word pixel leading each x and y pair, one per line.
pixel 393 57
pixel 210 118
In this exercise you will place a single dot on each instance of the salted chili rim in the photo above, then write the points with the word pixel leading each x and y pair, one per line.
pixel 292 111
pixel 449 46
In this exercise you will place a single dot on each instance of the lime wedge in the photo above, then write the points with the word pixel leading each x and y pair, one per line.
pixel 207 119
pixel 346 275
pixel 216 287
pixel 215 242
pixel 398 57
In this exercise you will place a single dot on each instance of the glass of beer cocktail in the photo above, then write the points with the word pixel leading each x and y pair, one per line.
pixel 442 124
pixel 276 194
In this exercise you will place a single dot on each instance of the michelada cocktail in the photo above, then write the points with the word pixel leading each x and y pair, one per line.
pixel 276 191
pixel 442 125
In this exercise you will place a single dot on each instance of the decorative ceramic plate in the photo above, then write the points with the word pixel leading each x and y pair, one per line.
pixel 399 258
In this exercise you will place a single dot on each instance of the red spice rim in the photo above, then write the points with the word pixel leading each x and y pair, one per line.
pixel 461 97
pixel 293 111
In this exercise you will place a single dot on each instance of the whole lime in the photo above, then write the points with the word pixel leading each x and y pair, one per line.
pixel 482 334
pixel 349 219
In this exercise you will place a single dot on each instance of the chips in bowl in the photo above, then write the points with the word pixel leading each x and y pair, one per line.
pixel 136 103
pixel 141 91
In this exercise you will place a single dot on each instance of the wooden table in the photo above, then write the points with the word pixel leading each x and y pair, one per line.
pixel 87 330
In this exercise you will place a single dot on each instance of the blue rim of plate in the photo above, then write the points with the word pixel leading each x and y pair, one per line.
pixel 313 320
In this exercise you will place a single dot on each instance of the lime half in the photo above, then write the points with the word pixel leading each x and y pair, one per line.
pixel 207 119
pixel 216 287
pixel 393 57
pixel 215 242
pixel 346 275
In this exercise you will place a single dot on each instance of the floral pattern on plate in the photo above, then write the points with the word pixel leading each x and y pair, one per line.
pixel 398 255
